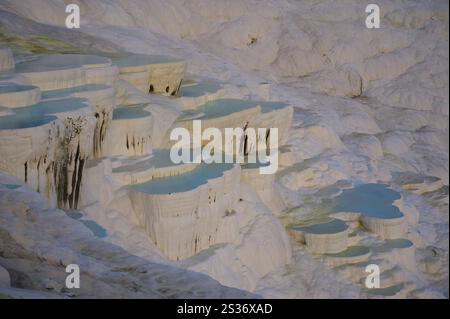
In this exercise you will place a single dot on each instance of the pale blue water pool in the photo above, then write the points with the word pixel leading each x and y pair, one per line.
pixel 269 106
pixel 388 245
pixel 78 89
pixel 13 87
pixel 184 182
pixel 373 200
pixel 10 186
pixel 332 227
pixel 40 113
pixel 59 62
pixel 160 158
pixel 95 228
pixel 388 291
pixel 143 59
pixel 254 165
pixel 223 107
pixel 130 112
pixel 352 251
pixel 20 121
pixel 199 89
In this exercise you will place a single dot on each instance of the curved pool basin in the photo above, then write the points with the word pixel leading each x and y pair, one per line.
pixel 184 182
pixel 372 200
pixel 130 112
pixel 60 62
pixel 199 89
pixel 40 113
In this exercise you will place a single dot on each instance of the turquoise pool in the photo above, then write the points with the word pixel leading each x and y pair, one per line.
pixel 353 251
pixel 373 200
pixel 59 62
pixel 78 89
pixel 95 228
pixel 130 112
pixel 223 107
pixel 199 89
pixel 184 182
pixel 332 227
pixel 40 113
pixel 160 158
pixel 13 87
pixel 142 59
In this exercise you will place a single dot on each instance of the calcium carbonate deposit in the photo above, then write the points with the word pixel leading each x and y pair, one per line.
pixel 86 175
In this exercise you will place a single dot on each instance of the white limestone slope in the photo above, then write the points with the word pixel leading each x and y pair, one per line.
pixel 36 268
pixel 112 140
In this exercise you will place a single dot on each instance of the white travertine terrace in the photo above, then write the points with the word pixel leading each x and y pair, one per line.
pixel 390 228
pixel 374 204
pixel 53 72
pixel 131 129
pixel 152 74
pixel 324 238
pixel 352 255
pixel 156 165
pixel 235 113
pixel 193 94
pixel 5 111
pixel 396 251
pixel 264 186
pixel 5 279
pixel 367 106
pixel 118 134
pixel 102 98
pixel 193 202
pixel 16 95
pixel 6 60
pixel 46 145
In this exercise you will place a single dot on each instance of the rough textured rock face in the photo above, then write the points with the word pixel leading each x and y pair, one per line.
pixel 160 75
pixel 36 269
pixel 194 214
pixel 72 153
pixel 50 157
pixel 70 130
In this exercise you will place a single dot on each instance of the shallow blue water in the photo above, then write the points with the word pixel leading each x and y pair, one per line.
pixel 184 182
pixel 11 186
pixel 40 113
pixel 373 200
pixel 199 89
pixel 254 165
pixel 268 106
pixel 160 158
pixel 224 107
pixel 13 87
pixel 396 243
pixel 18 121
pixel 142 59
pixel 352 251
pixel 332 227
pixel 78 89
pixel 96 229
pixel 130 112
pixel 59 62
pixel 388 291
